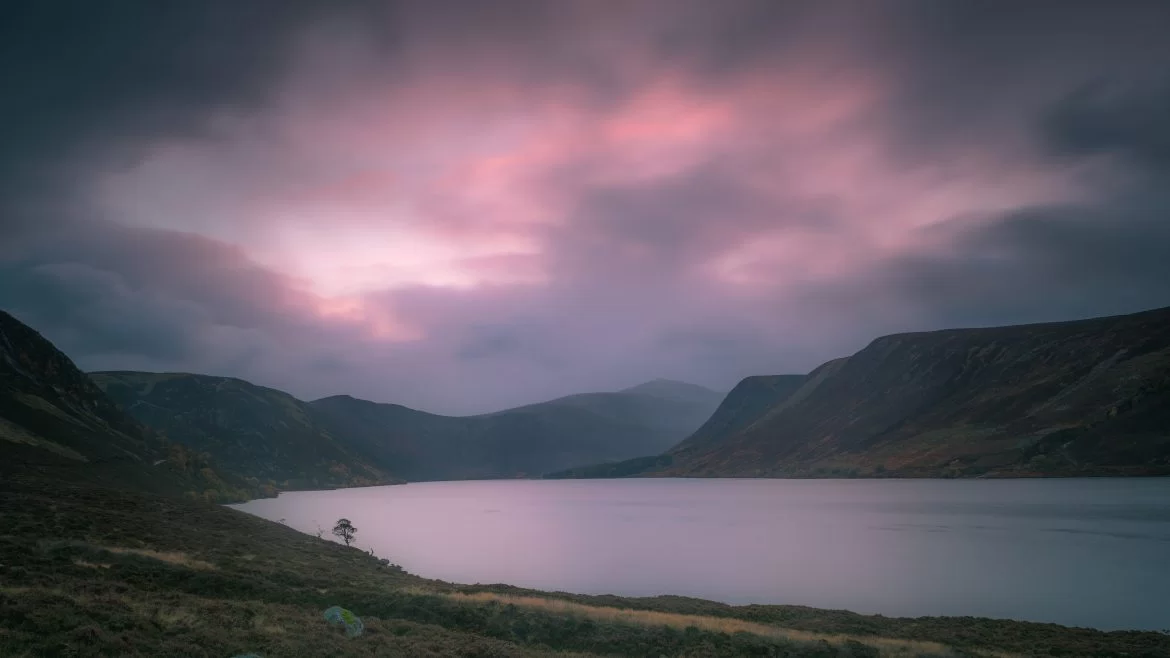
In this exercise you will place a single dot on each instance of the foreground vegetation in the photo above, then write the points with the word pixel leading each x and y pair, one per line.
pixel 93 571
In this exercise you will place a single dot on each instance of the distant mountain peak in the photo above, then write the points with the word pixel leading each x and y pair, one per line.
pixel 671 387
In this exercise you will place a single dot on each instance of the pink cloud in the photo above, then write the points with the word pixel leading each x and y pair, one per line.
pixel 429 182
pixel 600 196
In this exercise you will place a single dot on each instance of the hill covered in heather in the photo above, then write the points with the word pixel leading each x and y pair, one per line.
pixel 56 423
pixel 1080 398
pixel 265 433
pixel 344 441
pixel 1089 397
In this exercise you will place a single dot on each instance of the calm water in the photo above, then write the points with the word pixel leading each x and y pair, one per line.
pixel 1093 552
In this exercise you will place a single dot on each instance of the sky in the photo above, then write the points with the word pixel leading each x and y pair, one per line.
pixel 462 206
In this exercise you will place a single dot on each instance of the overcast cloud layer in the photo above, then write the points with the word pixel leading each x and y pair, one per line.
pixel 463 206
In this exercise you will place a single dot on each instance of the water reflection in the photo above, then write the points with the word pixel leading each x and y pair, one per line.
pixel 1078 552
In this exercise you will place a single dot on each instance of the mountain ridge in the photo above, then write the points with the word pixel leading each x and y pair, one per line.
pixel 1066 398
pixel 263 431
pixel 522 441
pixel 1080 397
pixel 56 422
pixel 357 441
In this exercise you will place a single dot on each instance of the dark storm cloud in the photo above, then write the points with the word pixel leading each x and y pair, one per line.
pixel 179 266
pixel 87 311
pixel 674 224
pixel 1041 264
pixel 112 295
pixel 1105 256
pixel 88 86
pixel 88 75
pixel 724 40
pixel 627 284
pixel 488 342
pixel 1105 118
pixel 974 71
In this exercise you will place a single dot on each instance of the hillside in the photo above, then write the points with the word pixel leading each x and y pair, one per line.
pixel 343 441
pixel 95 561
pixel 743 405
pixel 529 440
pixel 1088 397
pixel 750 399
pixel 93 571
pixel 55 421
pixel 255 430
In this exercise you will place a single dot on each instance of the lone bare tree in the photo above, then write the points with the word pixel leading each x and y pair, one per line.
pixel 344 530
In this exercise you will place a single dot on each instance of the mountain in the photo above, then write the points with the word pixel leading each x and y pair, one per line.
pixel 265 433
pixel 663 410
pixel 90 560
pixel 343 441
pixel 750 399
pixel 528 440
pixel 743 405
pixel 671 389
pixel 1088 397
pixel 55 421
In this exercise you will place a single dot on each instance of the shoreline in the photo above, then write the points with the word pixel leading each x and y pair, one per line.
pixel 902 613
pixel 139 575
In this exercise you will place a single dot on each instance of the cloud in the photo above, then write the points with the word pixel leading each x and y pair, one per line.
pixel 1110 119
pixel 1040 264
pixel 466 206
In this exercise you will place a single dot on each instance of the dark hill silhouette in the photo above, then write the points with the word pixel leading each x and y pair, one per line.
pixel 1089 397
pixel 263 432
pixel 1080 398
pixel 55 422
pixel 342 441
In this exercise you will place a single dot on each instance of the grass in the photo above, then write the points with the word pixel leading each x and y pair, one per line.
pixel 725 625
pixel 170 557
pixel 15 434
pixel 87 571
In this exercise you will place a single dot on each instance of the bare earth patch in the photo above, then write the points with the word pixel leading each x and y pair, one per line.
pixel 92 565
pixel 176 558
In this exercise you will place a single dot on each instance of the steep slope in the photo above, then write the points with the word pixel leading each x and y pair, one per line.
pixel 750 399
pixel 259 431
pixel 1088 397
pixel 54 421
pixel 341 441
pixel 529 440
pixel 664 411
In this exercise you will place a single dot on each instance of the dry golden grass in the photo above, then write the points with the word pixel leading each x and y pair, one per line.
pixel 176 558
pixel 92 565
pixel 16 591
pixel 268 625
pixel 887 646
pixel 15 434
pixel 173 618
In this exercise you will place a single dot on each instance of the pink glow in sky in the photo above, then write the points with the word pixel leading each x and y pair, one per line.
pixel 463 210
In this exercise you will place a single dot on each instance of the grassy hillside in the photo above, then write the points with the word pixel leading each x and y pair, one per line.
pixel 744 405
pixel 110 546
pixel 626 468
pixel 524 441
pixel 90 571
pixel 268 434
pixel 56 422
pixel 342 441
pixel 1089 397
pixel 751 398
